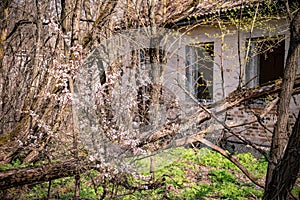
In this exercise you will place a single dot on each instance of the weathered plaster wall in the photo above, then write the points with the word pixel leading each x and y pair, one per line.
pixel 226 57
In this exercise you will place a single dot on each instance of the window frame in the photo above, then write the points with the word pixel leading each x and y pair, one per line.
pixel 200 67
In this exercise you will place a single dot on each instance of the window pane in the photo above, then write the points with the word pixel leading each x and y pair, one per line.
pixel 199 70
pixel 252 67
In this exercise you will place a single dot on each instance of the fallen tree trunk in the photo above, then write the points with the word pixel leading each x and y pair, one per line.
pixel 233 99
pixel 46 172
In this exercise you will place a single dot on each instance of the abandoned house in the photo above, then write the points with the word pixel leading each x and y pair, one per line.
pixel 229 51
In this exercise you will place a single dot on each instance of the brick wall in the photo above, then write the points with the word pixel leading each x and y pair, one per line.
pixel 259 133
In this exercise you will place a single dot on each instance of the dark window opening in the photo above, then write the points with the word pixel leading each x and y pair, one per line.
pixel 271 64
pixel 266 61
pixel 147 57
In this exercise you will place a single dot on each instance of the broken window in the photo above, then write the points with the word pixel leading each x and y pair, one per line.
pixel 265 61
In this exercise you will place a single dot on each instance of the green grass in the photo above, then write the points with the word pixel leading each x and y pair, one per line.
pixel 184 178
pixel 187 173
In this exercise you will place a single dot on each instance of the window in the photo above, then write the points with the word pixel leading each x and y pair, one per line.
pixel 199 70
pixel 148 56
pixel 265 61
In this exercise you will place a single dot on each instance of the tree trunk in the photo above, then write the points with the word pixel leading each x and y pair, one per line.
pixel 285 173
pixel 32 175
pixel 280 135
pixel 3 34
